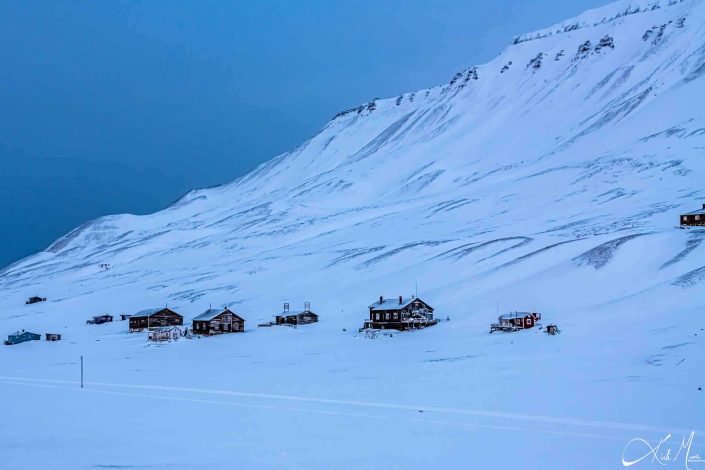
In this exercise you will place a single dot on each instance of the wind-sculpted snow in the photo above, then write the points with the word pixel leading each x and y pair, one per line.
pixel 691 278
pixel 601 255
pixel 550 179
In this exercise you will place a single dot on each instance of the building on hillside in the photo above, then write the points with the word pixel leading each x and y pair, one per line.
pixel 296 317
pixel 694 219
pixel 164 333
pixel 22 337
pixel 99 320
pixel 125 316
pixel 515 321
pixel 400 314
pixel 154 318
pixel 52 337
pixel 218 321
pixel 34 300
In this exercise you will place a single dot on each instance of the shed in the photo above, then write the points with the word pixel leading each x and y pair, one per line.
pixel 22 337
pixel 296 317
pixel 125 316
pixel 100 319
pixel 155 317
pixel 218 321
pixel 35 299
pixel 53 337
pixel 400 313
pixel 164 333
pixel 694 219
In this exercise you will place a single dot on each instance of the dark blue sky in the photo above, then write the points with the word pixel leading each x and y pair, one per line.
pixel 110 107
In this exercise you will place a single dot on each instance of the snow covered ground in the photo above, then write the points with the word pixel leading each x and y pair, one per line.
pixel 550 179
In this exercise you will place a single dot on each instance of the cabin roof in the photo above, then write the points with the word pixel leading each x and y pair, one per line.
pixel 151 311
pixel 698 212
pixel 293 313
pixel 211 313
pixel 25 333
pixel 512 315
pixel 393 303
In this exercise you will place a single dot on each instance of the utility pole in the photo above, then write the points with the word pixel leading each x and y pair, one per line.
pixel 81 371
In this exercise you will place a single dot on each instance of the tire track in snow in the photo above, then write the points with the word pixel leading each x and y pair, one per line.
pixel 578 422
pixel 476 426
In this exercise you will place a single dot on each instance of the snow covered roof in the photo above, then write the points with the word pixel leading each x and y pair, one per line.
pixel 698 212
pixel 292 313
pixel 148 312
pixel 394 303
pixel 512 315
pixel 210 314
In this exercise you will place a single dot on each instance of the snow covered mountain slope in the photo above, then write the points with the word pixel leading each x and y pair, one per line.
pixel 550 179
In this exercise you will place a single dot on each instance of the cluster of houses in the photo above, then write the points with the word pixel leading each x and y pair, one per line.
pixel 397 313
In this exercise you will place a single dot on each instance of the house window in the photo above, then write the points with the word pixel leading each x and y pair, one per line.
pixel 697 217
pixel 376 316
pixel 387 316
pixel 685 218
pixel 396 315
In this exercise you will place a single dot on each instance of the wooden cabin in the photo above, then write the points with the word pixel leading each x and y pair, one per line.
pixel 154 318
pixel 400 314
pixel 164 333
pixel 22 337
pixel 694 219
pixel 52 337
pixel 34 300
pixel 218 321
pixel 99 320
pixel 515 321
pixel 296 317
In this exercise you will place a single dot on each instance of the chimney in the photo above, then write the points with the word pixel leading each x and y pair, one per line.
pixel 400 300
pixel 286 306
pixel 703 206
pixel 381 299
pixel 307 306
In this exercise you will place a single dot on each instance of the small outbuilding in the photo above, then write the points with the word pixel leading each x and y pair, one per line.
pixel 35 299
pixel 218 321
pixel 515 321
pixel 154 318
pixel 125 316
pixel 99 320
pixel 52 337
pixel 694 219
pixel 552 329
pixel 296 317
pixel 22 337
pixel 164 333
pixel 400 314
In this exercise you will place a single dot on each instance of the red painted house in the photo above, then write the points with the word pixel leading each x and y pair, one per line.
pixel 514 321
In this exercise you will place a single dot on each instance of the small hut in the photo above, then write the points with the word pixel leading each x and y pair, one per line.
pixel 694 219
pixel 218 321
pixel 154 318
pixel 35 299
pixel 22 337
pixel 125 316
pixel 515 321
pixel 164 333
pixel 52 337
pixel 552 329
pixel 99 320
pixel 296 317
